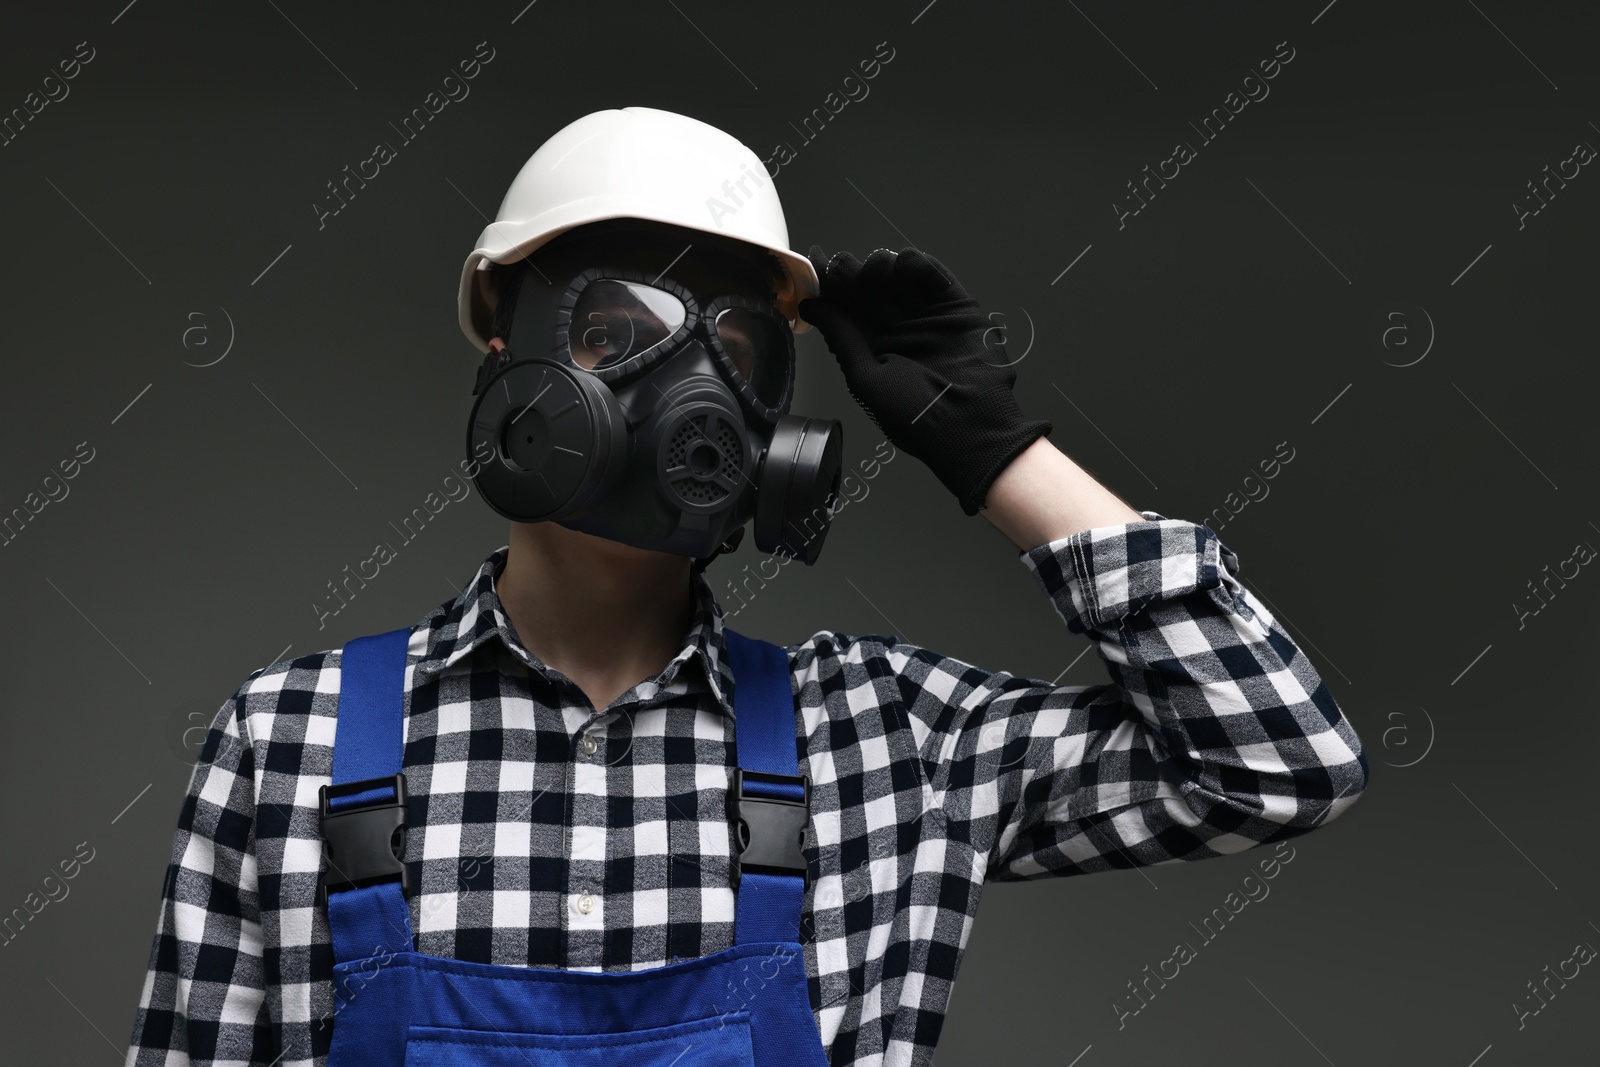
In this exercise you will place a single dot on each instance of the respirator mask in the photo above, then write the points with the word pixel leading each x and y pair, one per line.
pixel 643 396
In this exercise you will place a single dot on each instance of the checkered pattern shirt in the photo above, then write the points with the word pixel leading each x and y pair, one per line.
pixel 930 776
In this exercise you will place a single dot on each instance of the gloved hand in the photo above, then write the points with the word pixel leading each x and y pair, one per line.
pixel 911 343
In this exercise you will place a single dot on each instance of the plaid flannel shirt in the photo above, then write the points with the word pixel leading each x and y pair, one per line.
pixel 930 776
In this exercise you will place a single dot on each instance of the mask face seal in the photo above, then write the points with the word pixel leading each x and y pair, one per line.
pixel 650 406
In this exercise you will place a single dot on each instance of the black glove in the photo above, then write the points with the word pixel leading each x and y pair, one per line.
pixel 911 343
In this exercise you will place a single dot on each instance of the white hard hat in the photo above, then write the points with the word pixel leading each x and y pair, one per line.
pixel 640 163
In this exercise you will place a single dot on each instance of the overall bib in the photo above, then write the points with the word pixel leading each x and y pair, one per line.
pixel 745 1006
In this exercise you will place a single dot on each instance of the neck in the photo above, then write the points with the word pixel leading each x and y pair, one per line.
pixel 605 614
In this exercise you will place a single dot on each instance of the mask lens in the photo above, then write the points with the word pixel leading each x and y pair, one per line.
pixel 614 321
pixel 758 349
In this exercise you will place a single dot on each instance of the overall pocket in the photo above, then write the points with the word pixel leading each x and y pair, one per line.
pixel 718 1041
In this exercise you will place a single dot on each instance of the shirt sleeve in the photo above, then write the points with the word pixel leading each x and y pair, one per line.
pixel 204 993
pixel 1215 734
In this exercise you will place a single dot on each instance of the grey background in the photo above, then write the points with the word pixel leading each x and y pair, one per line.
pixel 1175 354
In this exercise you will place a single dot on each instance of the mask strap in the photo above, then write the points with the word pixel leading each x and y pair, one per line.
pixel 491 365
pixel 728 544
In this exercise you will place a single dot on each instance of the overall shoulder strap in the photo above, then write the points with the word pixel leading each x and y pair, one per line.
pixel 769 798
pixel 363 809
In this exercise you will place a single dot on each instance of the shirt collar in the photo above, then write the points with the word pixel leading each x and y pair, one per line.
pixel 476 617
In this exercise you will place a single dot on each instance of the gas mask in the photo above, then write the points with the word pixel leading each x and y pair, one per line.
pixel 643 397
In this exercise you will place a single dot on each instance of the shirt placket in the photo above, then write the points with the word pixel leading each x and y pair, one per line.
pixel 587 844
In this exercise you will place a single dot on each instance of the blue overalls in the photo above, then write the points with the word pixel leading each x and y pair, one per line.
pixel 745 1006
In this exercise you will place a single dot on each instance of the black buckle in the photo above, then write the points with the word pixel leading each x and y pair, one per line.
pixel 769 831
pixel 362 843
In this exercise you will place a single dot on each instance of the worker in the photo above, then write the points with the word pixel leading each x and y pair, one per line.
pixel 572 817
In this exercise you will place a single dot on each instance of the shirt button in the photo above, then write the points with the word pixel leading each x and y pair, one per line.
pixel 586 903
pixel 590 746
